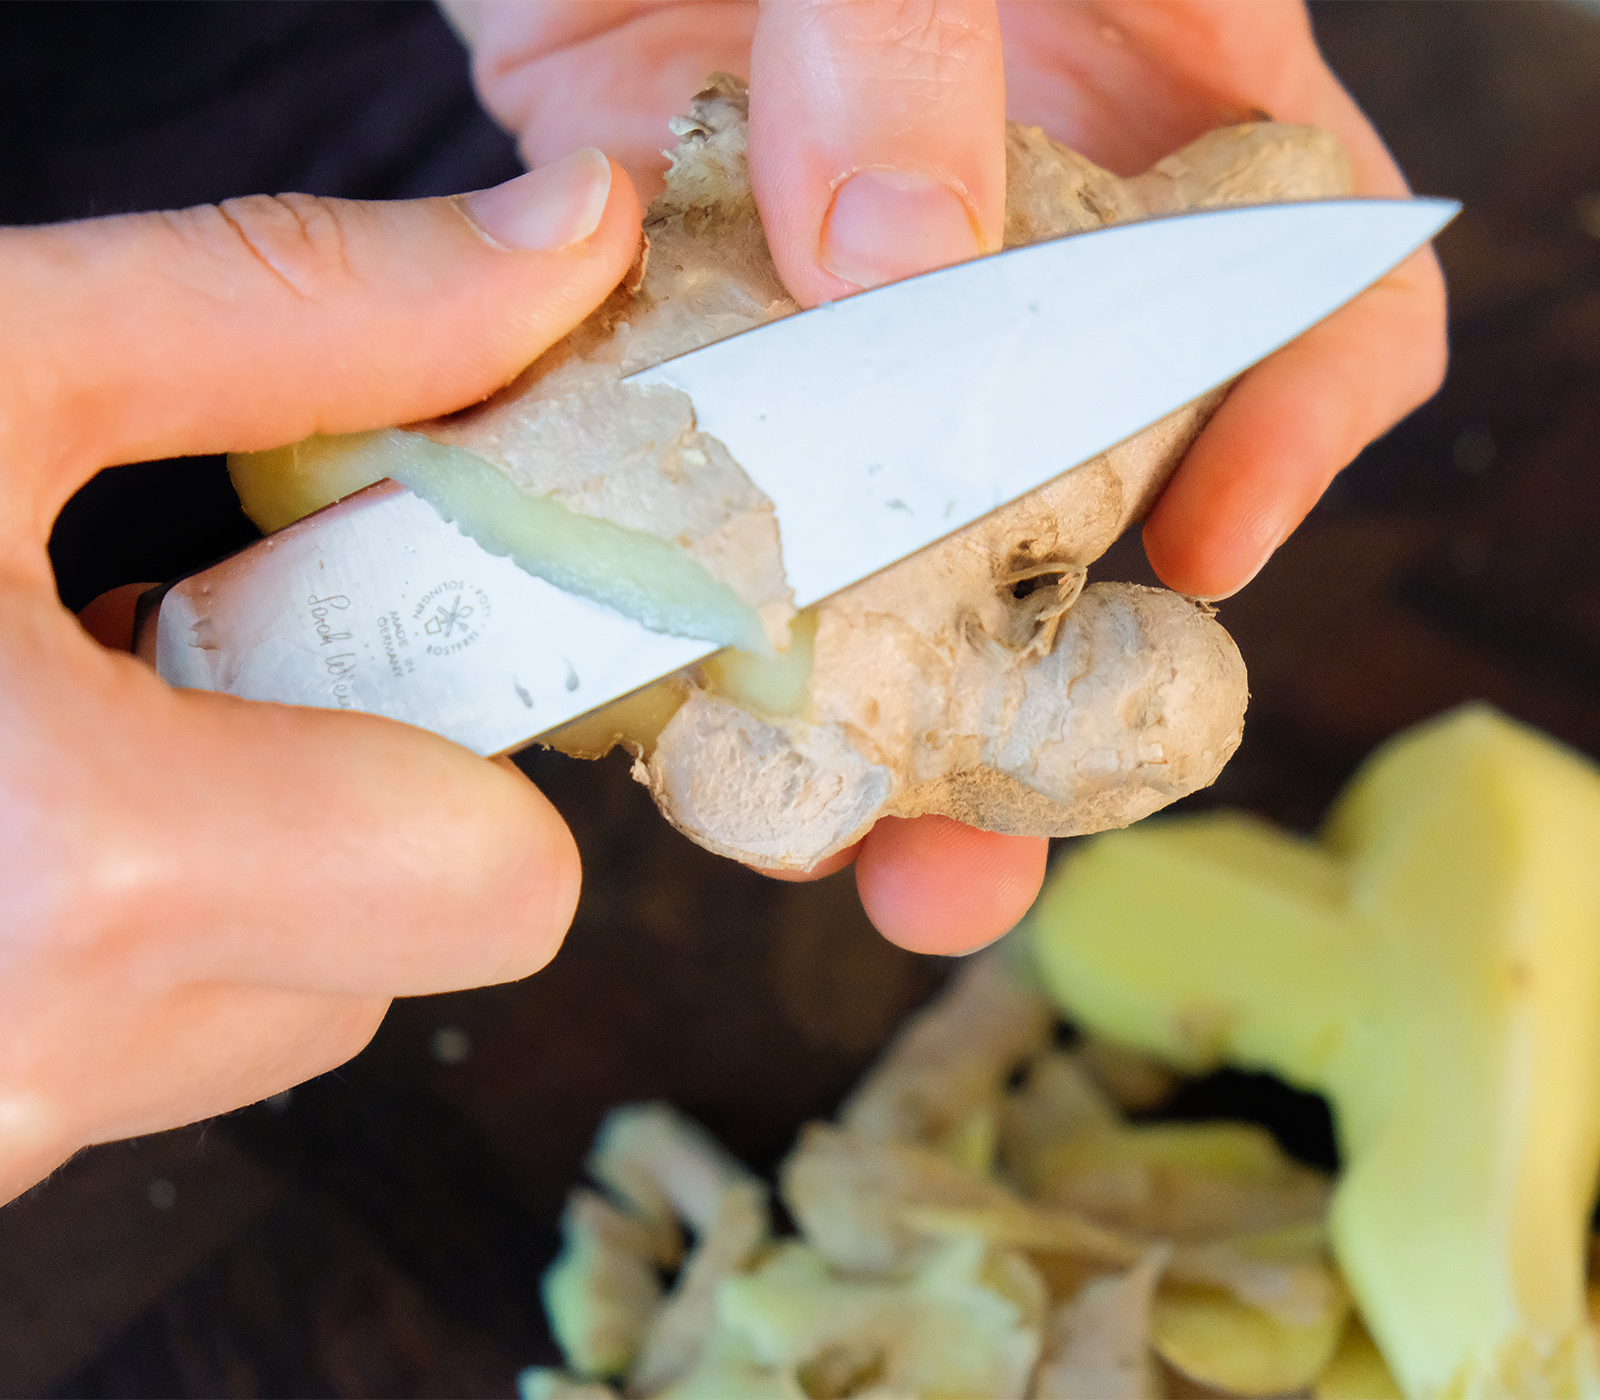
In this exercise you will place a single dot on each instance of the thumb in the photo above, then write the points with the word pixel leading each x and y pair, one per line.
pixel 264 319
pixel 877 138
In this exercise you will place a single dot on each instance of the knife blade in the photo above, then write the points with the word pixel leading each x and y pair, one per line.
pixel 876 425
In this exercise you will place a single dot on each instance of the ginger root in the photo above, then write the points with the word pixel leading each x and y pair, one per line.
pixel 976 679
pixel 980 678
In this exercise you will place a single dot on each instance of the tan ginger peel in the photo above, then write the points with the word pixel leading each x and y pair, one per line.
pixel 979 679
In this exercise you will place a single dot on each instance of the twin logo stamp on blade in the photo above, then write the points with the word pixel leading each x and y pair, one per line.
pixel 451 616
pixel 453 613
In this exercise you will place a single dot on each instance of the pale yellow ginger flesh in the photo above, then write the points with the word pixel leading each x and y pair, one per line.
pixel 986 1224
pixel 972 680
pixel 1430 962
pixel 629 569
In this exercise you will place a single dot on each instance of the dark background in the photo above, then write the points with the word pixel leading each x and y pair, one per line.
pixel 381 1230
pixel 108 108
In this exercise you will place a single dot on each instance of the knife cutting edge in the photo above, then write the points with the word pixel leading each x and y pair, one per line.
pixel 876 425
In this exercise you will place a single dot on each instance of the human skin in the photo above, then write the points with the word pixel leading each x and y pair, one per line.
pixel 204 900
pixel 909 97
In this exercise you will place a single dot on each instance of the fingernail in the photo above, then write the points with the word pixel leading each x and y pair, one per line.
pixel 887 224
pixel 547 209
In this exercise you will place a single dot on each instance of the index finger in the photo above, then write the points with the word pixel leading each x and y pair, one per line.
pixel 1291 424
pixel 1297 419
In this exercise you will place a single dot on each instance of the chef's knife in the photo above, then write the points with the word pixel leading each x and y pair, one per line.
pixel 877 425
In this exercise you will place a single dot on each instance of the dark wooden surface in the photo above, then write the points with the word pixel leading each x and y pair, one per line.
pixel 382 1230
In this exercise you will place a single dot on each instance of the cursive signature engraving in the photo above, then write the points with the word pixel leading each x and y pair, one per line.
pixel 340 665
pixel 320 608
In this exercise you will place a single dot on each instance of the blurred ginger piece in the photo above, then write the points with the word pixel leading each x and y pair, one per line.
pixel 925 1268
pixel 1432 963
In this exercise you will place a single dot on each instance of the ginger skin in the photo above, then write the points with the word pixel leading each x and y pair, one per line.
pixel 978 679
pixel 971 680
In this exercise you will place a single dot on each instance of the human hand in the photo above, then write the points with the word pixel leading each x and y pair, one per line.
pixel 876 151
pixel 206 900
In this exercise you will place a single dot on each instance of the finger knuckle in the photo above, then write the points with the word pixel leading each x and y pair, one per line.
pixel 298 238
pixel 937 37
pixel 932 43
